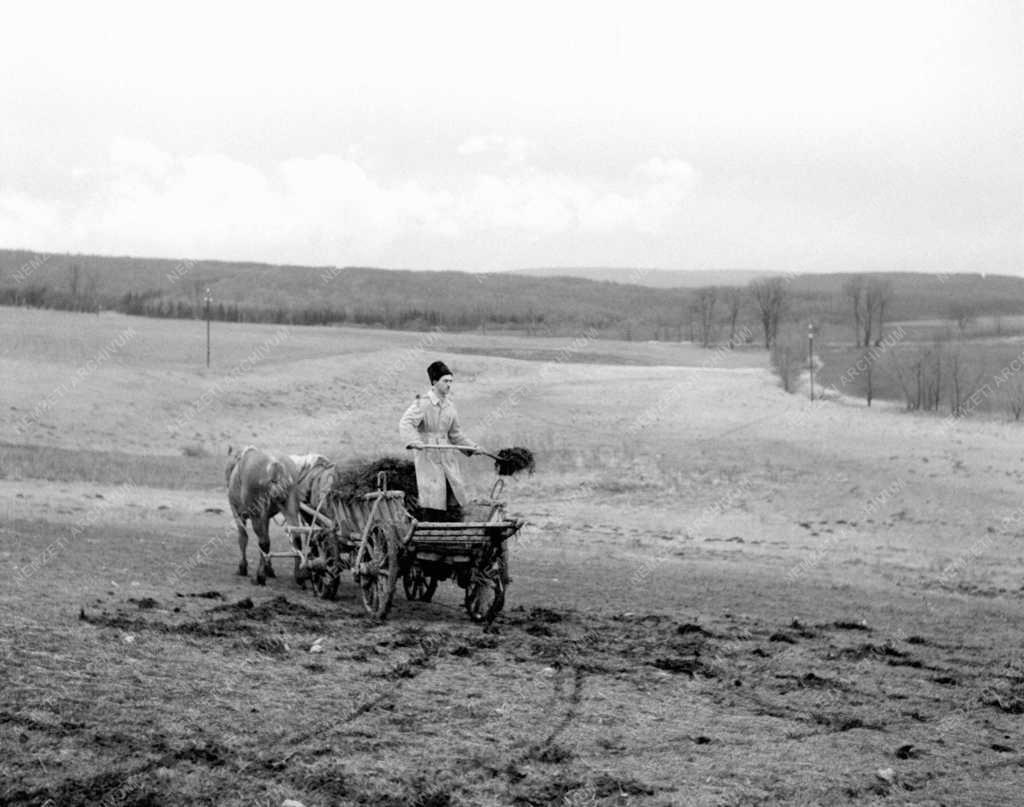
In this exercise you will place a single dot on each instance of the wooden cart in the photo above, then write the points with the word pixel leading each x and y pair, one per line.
pixel 375 537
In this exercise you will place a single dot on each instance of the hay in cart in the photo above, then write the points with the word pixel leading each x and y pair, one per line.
pixel 356 478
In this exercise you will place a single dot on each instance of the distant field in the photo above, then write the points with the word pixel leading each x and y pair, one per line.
pixel 984 360
pixel 94 382
pixel 67 337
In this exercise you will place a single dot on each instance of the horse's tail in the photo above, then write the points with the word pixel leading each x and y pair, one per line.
pixel 230 467
pixel 234 457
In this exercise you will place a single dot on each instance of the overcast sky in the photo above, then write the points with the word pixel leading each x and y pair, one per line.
pixel 807 136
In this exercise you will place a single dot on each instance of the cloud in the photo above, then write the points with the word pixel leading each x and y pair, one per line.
pixel 515 150
pixel 26 221
pixel 332 208
pixel 139 156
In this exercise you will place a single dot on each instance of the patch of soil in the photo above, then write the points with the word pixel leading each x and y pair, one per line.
pixel 245 604
pixel 606 786
pixel 688 628
pixel 869 650
pixel 813 681
pixel 241 618
pixel 271 646
pixel 841 722
pixel 145 603
pixel 90 791
pixel 553 753
pixel 1012 705
pixel 209 754
pixel 544 615
pixel 689 666
pixel 553 791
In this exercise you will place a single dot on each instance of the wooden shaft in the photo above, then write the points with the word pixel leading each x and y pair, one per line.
pixel 457 448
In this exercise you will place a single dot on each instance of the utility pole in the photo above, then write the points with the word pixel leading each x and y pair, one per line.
pixel 810 354
pixel 207 299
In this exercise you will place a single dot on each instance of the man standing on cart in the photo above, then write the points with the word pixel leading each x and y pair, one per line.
pixel 427 426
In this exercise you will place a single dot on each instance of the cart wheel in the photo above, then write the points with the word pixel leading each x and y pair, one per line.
pixel 377 572
pixel 418 584
pixel 485 595
pixel 325 581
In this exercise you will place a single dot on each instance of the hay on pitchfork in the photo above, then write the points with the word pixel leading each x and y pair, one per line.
pixel 513 460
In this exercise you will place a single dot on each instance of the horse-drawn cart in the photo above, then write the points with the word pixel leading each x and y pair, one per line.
pixel 376 537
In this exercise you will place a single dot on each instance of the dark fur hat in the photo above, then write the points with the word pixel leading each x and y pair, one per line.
pixel 436 370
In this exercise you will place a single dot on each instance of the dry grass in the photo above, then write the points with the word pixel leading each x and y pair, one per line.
pixel 194 470
pixel 718 608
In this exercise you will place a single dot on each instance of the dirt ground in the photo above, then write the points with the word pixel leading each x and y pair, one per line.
pixel 725 595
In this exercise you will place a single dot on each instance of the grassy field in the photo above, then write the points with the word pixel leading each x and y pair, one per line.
pixel 725 595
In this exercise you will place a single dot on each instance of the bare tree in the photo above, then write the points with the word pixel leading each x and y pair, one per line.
pixel 733 296
pixel 704 308
pixel 876 299
pixel 907 368
pixel 772 298
pixel 74 276
pixel 918 371
pixel 869 376
pixel 963 379
pixel 869 297
pixel 788 357
pixel 1013 398
pixel 883 299
pixel 961 313
pixel 933 375
pixel 853 288
pixel 91 293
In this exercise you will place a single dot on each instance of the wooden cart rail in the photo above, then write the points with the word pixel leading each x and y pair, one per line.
pixel 464 530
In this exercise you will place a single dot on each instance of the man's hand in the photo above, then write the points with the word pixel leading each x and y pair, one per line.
pixel 415 446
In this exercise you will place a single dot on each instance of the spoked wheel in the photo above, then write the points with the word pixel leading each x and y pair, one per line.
pixel 418 584
pixel 485 594
pixel 376 570
pixel 325 581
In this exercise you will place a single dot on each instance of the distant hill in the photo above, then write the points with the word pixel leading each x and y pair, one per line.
pixel 656 278
pixel 622 303
pixel 389 298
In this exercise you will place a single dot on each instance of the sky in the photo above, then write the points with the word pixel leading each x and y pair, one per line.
pixel 784 136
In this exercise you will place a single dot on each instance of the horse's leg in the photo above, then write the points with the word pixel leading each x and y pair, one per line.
pixel 261 526
pixel 243 542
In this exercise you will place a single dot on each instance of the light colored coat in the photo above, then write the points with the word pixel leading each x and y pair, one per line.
pixel 432 420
